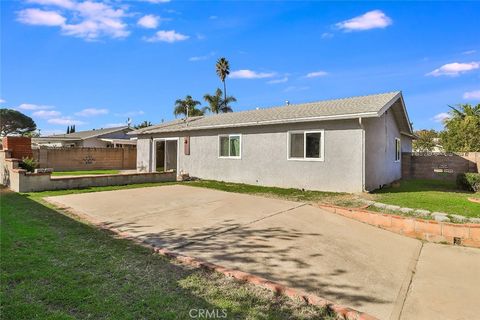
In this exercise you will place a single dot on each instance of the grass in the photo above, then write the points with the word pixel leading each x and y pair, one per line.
pixel 84 172
pixel 433 195
pixel 54 267
pixel 344 199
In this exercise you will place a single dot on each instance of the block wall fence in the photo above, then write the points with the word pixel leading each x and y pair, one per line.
pixel 66 159
pixel 439 165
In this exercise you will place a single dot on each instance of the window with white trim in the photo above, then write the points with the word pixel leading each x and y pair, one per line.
pixel 230 146
pixel 398 149
pixel 306 145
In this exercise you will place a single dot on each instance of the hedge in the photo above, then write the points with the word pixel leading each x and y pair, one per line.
pixel 469 181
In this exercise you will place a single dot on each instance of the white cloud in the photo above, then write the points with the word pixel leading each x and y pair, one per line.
pixel 454 69
pixel 327 35
pixel 250 74
pixel 41 18
pixel 441 117
pixel 2 101
pixel 30 106
pixel 213 17
pixel 169 36
pixel 474 95
pixel 88 19
pixel 91 112
pixel 469 52
pixel 200 58
pixel 156 1
pixel 67 4
pixel 65 121
pixel 149 21
pixel 275 81
pixel 45 114
pixel 295 88
pixel 130 113
pixel 316 74
pixel 369 20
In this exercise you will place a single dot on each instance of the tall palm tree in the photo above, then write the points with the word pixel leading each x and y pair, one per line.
pixel 223 70
pixel 187 107
pixel 217 104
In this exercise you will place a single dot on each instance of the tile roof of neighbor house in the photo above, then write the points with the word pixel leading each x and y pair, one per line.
pixel 347 108
pixel 81 135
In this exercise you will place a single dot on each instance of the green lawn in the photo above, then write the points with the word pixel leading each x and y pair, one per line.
pixel 81 173
pixel 433 195
pixel 337 198
pixel 54 267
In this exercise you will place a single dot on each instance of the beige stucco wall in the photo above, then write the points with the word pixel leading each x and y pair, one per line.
pixel 264 157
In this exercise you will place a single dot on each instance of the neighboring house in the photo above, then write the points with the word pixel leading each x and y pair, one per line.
pixel 96 138
pixel 349 145
pixel 437 148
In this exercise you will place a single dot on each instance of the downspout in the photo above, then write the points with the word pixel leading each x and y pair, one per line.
pixel 363 153
pixel 150 155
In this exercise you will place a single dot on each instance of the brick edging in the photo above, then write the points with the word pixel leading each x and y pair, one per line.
pixel 428 230
pixel 342 312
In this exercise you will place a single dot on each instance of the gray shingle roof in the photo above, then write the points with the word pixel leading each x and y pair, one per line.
pixel 80 135
pixel 345 108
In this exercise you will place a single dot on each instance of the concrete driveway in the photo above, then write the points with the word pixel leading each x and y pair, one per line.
pixel 298 245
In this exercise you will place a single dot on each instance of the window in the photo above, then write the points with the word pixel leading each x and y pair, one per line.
pixel 305 145
pixel 398 150
pixel 230 146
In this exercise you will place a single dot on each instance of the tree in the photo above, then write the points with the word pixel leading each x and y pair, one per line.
pixel 72 129
pixel 181 107
pixel 427 140
pixel 144 124
pixel 68 130
pixel 15 122
pixel 217 104
pixel 223 70
pixel 462 129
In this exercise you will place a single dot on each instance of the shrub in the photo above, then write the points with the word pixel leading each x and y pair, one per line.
pixel 469 181
pixel 28 164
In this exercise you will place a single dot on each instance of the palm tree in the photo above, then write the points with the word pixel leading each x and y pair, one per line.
pixel 187 107
pixel 223 70
pixel 144 124
pixel 217 104
pixel 465 110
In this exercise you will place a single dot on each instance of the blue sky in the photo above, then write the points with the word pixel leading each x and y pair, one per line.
pixel 96 63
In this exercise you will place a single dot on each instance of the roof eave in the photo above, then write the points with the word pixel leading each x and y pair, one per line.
pixel 269 122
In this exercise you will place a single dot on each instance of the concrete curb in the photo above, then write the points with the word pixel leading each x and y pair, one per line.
pixel 342 312
pixel 467 234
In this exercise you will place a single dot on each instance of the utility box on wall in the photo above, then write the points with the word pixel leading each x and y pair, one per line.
pixel 186 146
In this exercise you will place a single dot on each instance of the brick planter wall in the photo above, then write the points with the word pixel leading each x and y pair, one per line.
pixel 20 147
pixel 433 231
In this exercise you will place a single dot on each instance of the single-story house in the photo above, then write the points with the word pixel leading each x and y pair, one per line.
pixel 350 145
pixel 96 138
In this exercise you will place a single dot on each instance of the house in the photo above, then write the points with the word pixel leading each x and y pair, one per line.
pixel 96 138
pixel 350 145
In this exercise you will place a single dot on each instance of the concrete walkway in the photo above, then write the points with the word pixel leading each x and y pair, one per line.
pixel 345 261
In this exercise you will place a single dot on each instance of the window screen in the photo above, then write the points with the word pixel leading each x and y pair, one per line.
pixel 297 145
